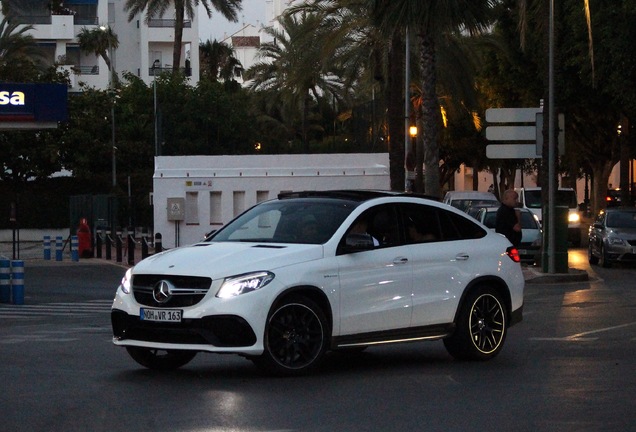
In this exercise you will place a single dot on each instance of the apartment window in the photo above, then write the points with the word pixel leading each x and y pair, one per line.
pixel 85 11
pixel 192 208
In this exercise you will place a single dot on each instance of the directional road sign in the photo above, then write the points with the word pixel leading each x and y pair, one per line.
pixel 517 127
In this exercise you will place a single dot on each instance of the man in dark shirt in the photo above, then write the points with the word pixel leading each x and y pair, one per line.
pixel 508 218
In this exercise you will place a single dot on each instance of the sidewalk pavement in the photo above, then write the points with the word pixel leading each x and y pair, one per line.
pixel 32 252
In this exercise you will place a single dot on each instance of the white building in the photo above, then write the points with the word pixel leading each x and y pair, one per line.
pixel 193 195
pixel 140 44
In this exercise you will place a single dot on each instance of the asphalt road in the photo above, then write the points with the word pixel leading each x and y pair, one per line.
pixel 569 366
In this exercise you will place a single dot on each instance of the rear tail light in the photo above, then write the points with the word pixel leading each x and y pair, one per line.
pixel 513 253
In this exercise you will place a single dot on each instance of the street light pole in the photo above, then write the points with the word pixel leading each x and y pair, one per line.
pixel 154 90
pixel 111 71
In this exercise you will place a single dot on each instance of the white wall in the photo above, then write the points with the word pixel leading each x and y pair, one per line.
pixel 217 188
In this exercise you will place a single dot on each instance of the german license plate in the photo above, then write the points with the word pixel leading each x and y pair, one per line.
pixel 161 315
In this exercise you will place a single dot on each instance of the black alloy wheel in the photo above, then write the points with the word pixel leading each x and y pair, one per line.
pixel 296 337
pixel 481 326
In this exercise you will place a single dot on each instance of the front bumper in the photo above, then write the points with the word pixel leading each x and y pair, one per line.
pixel 210 332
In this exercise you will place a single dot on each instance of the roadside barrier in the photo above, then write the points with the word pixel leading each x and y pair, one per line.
pixel 125 242
pixel 98 243
pixel 5 281
pixel 119 247
pixel 46 245
pixel 17 281
pixel 131 247
pixel 12 281
pixel 59 243
pixel 74 248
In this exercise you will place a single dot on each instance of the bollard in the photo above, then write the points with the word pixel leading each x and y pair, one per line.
pixel 144 246
pixel 17 281
pixel 74 248
pixel 158 246
pixel 46 245
pixel 5 281
pixel 98 244
pixel 118 247
pixel 59 242
pixel 131 247
pixel 109 244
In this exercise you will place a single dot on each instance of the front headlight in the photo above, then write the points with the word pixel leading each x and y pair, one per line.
pixel 574 218
pixel 616 241
pixel 126 281
pixel 245 283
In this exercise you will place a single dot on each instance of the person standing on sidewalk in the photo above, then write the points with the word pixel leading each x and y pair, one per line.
pixel 508 221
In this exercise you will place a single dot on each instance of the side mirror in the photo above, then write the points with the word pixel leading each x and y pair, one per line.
pixel 358 242
pixel 598 225
pixel 207 236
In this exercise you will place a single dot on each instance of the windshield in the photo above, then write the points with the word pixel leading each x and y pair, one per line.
pixel 621 220
pixel 563 198
pixel 311 221
pixel 465 204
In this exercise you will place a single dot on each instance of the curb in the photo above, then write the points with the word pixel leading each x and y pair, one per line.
pixel 535 276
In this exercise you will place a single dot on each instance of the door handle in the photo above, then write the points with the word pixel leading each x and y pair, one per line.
pixel 400 260
pixel 462 256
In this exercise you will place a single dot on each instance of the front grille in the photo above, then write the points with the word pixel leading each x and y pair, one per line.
pixel 189 290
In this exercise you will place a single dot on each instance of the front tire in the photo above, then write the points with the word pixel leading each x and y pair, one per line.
pixel 592 259
pixel 160 359
pixel 296 337
pixel 604 260
pixel 481 326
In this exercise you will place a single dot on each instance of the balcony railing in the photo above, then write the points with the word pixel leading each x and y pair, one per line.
pixel 86 70
pixel 86 20
pixel 33 19
pixel 167 23
pixel 159 70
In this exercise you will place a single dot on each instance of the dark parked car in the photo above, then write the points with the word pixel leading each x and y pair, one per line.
pixel 612 236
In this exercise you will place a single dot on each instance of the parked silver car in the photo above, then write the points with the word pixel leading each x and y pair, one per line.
pixel 612 236
pixel 531 233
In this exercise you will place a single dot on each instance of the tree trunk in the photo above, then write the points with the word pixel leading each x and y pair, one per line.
pixel 395 112
pixel 430 119
pixel 178 34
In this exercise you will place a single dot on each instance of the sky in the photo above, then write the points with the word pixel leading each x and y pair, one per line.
pixel 218 27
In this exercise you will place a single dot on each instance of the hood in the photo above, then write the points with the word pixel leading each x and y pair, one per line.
pixel 222 259
pixel 624 233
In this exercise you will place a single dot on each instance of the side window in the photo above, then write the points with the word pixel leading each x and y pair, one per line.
pixel 421 223
pixel 458 227
pixel 381 223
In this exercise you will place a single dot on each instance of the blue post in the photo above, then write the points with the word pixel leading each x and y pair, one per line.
pixel 47 247
pixel 17 281
pixel 58 248
pixel 74 248
pixel 5 281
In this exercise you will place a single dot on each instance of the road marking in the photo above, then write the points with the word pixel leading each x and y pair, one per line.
pixel 55 309
pixel 580 337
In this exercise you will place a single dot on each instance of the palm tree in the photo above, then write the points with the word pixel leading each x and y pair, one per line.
pixel 16 48
pixel 99 41
pixel 157 8
pixel 369 61
pixel 218 61
pixel 293 67
pixel 431 20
